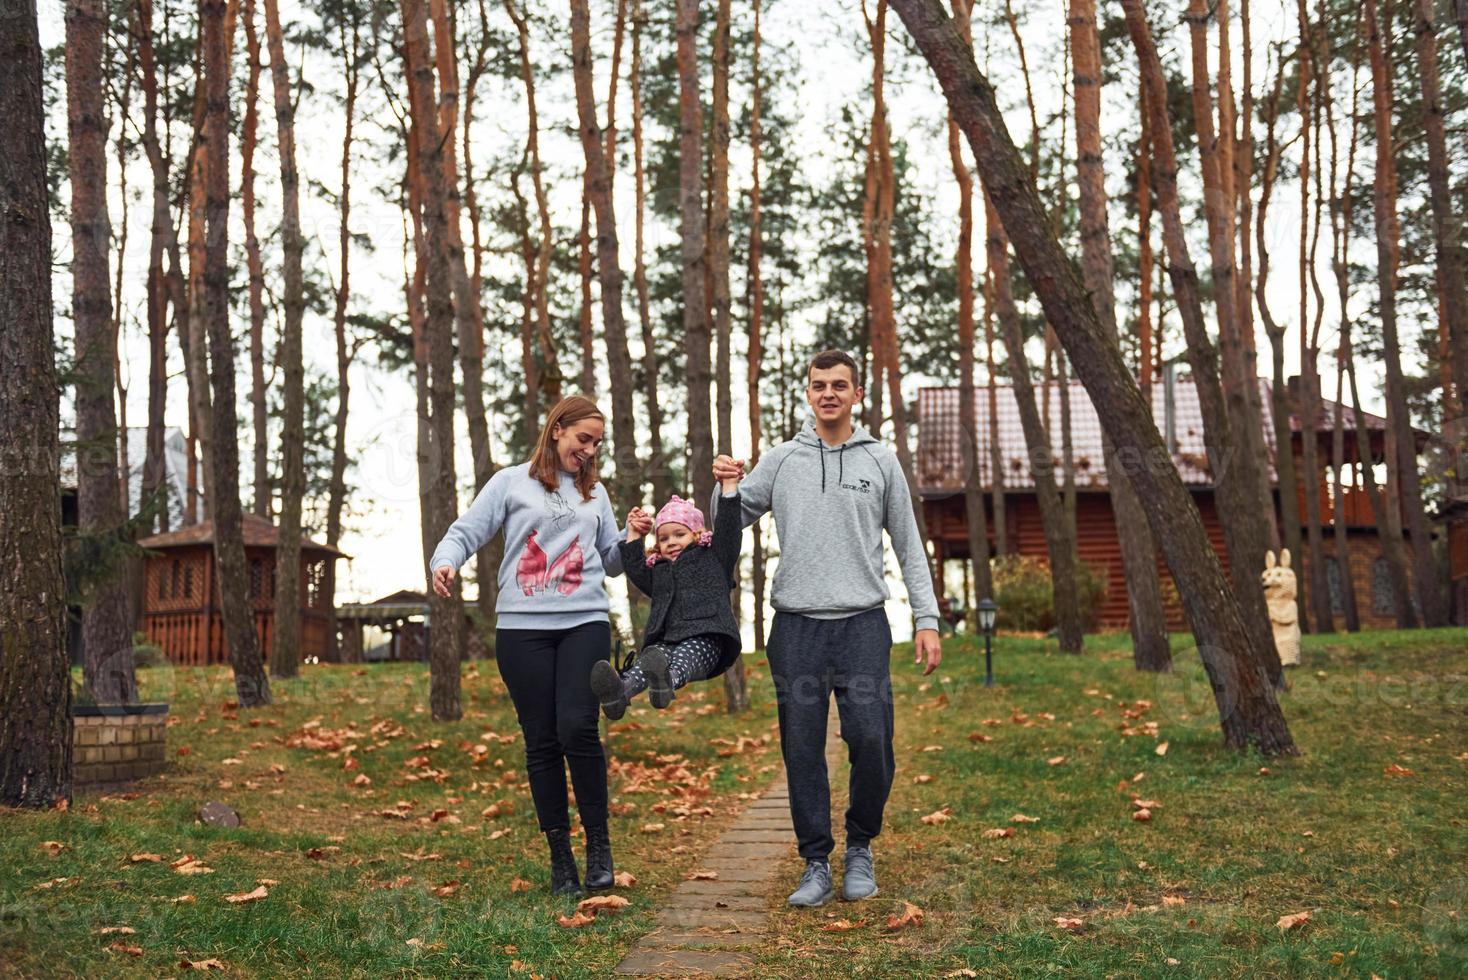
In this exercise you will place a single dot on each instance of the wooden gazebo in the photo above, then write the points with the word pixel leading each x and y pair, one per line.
pixel 181 612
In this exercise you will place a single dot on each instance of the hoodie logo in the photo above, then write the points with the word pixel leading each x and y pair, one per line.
pixel 860 486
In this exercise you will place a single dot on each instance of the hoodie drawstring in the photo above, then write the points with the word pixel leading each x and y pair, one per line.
pixel 822 447
pixel 841 466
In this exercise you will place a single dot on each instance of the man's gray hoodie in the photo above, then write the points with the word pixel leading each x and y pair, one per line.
pixel 831 504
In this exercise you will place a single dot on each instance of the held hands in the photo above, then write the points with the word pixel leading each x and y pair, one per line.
pixel 926 644
pixel 639 523
pixel 728 471
pixel 443 580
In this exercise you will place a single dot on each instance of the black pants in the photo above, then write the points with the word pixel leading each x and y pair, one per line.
pixel 547 674
pixel 809 659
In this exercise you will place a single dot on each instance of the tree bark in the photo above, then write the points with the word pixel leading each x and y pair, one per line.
pixel 1281 400
pixel 1150 648
pixel 756 321
pixel 1447 226
pixel 285 644
pixel 446 615
pixel 1235 487
pixel 973 490
pixel 1248 711
pixel 719 230
pixel 35 680
pixel 696 326
pixel 657 461
pixel 254 266
pixel 1058 543
pixel 107 667
pixel 609 263
pixel 1399 420
pixel 252 687
pixel 996 456
pixel 350 40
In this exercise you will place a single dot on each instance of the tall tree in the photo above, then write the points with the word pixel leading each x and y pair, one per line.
pixel 1425 585
pixel 696 328
pixel 1235 484
pixel 996 455
pixel 1059 543
pixel 973 491
pixel 1248 711
pixel 445 640
pixel 285 641
pixel 719 232
pixel 35 679
pixel 540 361
pixel 609 264
pixel 107 617
pixel 254 265
pixel 657 462
pixel 756 319
pixel 251 685
pixel 1451 267
pixel 1150 649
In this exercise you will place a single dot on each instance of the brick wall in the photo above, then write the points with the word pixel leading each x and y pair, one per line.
pixel 112 748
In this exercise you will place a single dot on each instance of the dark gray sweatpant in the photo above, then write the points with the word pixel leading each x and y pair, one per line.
pixel 810 658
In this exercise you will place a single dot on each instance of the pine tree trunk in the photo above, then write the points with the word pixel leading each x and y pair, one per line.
pixel 756 322
pixel 35 678
pixel 583 323
pixel 1281 400
pixel 445 647
pixel 1235 489
pixel 251 685
pixel 1148 623
pixel 336 503
pixel 1341 533
pixel 1058 543
pixel 657 466
pixel 285 645
pixel 1248 711
pixel 107 620
pixel 696 326
pixel 996 456
pixel 719 230
pixel 1384 201
pixel 254 266
pixel 1447 226
pixel 609 263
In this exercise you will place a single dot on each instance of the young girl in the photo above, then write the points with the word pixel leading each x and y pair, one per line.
pixel 691 634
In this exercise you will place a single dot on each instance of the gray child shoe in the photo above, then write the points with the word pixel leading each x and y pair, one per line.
pixel 859 880
pixel 815 885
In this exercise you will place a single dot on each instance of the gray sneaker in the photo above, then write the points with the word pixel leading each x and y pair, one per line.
pixel 859 880
pixel 815 885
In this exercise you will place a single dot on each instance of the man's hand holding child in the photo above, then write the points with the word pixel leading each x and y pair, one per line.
pixel 728 471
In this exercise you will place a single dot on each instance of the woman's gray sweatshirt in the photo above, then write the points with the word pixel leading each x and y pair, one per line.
pixel 831 504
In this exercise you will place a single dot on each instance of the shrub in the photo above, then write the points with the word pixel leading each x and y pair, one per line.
pixel 1026 602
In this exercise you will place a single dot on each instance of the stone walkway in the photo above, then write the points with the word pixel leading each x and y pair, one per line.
pixel 708 927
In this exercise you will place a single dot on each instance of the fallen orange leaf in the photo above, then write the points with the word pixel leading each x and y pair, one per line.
pixel 1161 748
pixel 701 875
pixel 1142 815
pixel 939 816
pixel 253 896
pixel 1067 923
pixel 996 832
pixel 1023 818
pixel 125 948
pixel 911 916
pixel 200 965
pixel 602 903
pixel 625 879
pixel 519 885
pixel 842 925
pixel 575 921
pixel 1291 921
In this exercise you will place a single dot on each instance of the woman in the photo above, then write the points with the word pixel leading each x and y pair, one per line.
pixel 561 540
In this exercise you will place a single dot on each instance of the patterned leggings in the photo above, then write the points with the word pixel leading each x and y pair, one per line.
pixel 693 659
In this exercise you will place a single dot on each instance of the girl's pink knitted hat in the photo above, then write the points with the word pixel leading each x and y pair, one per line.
pixel 680 511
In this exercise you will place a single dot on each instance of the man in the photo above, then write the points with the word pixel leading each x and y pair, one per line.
pixel 833 489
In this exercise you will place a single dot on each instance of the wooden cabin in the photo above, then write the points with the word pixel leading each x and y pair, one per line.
pixel 941 466
pixel 181 612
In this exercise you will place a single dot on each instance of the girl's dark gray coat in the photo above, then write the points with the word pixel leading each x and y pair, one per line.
pixel 690 596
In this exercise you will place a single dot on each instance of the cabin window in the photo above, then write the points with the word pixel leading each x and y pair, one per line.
pixel 188 581
pixel 1383 599
pixel 171 592
pixel 257 578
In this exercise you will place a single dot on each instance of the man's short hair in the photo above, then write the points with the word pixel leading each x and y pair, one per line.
pixel 834 358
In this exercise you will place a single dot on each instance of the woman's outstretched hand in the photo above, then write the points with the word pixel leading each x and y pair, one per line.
pixel 639 522
pixel 443 580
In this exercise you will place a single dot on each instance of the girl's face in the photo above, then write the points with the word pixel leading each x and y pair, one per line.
pixel 673 538
pixel 576 444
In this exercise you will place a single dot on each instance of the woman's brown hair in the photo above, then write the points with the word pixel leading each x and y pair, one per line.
pixel 545 466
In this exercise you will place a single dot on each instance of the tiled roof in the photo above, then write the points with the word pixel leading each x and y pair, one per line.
pixel 257 531
pixel 941 446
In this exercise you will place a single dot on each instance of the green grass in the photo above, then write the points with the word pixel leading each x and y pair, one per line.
pixel 1378 860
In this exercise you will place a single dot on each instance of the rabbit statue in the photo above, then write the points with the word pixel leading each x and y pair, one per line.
pixel 1279 585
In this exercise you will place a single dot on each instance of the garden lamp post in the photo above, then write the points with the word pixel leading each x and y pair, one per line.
pixel 987 612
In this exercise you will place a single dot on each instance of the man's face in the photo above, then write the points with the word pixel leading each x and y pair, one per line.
pixel 832 393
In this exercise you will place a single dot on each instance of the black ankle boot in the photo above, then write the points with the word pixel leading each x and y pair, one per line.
pixel 564 880
pixel 599 875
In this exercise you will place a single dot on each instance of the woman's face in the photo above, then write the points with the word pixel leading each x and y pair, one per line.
pixel 576 444
pixel 673 538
